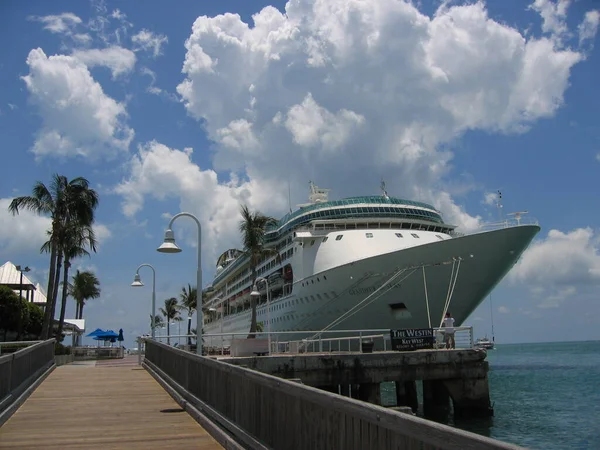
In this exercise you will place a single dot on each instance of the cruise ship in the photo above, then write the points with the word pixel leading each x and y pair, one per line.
pixel 373 262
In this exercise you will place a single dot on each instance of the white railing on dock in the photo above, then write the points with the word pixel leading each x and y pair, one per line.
pixel 327 341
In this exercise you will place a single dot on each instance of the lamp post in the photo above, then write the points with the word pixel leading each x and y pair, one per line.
pixel 137 281
pixel 21 270
pixel 169 246
pixel 255 293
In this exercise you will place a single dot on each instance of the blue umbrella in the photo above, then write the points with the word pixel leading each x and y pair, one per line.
pixel 96 332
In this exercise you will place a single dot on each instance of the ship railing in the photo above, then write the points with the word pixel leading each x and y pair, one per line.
pixel 330 341
pixel 491 226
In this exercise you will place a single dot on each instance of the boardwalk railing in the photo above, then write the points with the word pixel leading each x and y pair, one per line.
pixel 264 411
pixel 21 369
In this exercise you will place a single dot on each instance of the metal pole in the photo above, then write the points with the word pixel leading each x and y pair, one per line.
pixel 268 316
pixel 199 317
pixel 153 318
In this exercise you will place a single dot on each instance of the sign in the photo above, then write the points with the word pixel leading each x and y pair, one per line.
pixel 412 339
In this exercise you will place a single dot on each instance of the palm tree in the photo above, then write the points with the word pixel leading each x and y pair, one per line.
pixel 189 301
pixel 77 239
pixel 158 321
pixel 252 227
pixel 85 286
pixel 65 202
pixel 171 312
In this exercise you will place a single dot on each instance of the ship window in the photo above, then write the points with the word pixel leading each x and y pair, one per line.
pixel 399 235
pixel 415 235
pixel 325 238
pixel 319 296
pixel 312 242
pixel 439 237
pixel 325 294
pixel 324 277
pixel 339 237
pixel 312 297
pixel 369 235
pixel 318 279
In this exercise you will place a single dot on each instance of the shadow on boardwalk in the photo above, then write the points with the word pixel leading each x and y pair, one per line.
pixel 106 405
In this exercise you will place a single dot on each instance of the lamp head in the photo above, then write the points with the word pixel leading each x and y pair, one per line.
pixel 137 281
pixel 254 292
pixel 169 245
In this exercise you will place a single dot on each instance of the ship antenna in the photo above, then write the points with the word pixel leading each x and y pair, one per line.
pixel 289 196
pixel 383 191
pixel 499 205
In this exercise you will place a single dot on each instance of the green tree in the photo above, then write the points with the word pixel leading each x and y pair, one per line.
pixel 10 311
pixel 36 320
pixel 189 302
pixel 74 245
pixel 66 202
pixel 252 228
pixel 170 312
pixel 84 286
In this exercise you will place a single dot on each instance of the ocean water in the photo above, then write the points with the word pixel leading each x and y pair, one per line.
pixel 545 396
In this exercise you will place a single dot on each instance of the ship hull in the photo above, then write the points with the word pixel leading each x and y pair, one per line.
pixel 415 298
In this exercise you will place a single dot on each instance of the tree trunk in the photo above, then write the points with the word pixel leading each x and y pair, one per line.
pixel 190 328
pixel 252 334
pixel 168 332
pixel 55 293
pixel 81 310
pixel 47 310
pixel 63 305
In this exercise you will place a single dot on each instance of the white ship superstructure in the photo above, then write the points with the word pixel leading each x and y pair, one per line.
pixel 370 262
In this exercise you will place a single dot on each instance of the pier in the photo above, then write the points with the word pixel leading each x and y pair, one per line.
pixel 182 400
pixel 457 376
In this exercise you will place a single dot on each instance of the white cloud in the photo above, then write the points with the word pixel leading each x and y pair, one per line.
pixel 553 267
pixel 503 310
pixel 489 198
pixel 554 15
pixel 589 27
pixel 118 59
pixel 61 24
pixel 25 232
pixel 79 119
pixel 149 41
pixel 331 86
pixel 162 173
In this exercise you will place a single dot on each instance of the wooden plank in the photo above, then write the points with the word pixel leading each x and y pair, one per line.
pixel 113 407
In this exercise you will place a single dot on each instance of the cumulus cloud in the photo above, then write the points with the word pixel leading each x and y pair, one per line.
pixel 27 231
pixel 162 173
pixel 503 310
pixel 554 15
pixel 332 85
pixel 554 266
pixel 118 59
pixel 489 198
pixel 79 119
pixel 63 23
pixel 589 27
pixel 150 42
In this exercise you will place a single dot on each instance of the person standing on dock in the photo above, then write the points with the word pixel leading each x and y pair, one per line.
pixel 449 331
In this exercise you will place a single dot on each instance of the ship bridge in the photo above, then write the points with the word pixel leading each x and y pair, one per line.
pixel 375 207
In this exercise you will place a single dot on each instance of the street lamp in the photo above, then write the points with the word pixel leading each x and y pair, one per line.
pixel 137 281
pixel 169 246
pixel 25 269
pixel 255 293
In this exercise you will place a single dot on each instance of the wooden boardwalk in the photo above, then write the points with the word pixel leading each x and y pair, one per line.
pixel 90 406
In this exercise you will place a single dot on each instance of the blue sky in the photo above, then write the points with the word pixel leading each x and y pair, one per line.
pixel 206 105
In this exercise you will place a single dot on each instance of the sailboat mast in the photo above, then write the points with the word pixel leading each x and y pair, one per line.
pixel 492 316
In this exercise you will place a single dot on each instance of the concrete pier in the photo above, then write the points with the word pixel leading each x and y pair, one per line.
pixel 456 378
